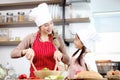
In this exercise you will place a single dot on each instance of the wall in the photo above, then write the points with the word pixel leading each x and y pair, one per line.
pixel 105 5
pixel 21 65
pixel 106 14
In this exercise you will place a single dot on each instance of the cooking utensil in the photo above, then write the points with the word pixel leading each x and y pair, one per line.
pixel 56 65
pixel 33 66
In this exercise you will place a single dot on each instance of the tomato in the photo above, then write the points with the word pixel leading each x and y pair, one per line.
pixel 22 76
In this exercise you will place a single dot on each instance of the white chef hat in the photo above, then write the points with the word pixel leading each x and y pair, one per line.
pixel 88 36
pixel 41 14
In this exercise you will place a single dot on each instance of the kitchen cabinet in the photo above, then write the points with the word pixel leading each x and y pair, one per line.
pixel 27 5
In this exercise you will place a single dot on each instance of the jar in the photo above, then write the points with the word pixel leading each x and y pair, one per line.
pixel 21 16
pixel 9 17
pixel 0 18
pixel 17 38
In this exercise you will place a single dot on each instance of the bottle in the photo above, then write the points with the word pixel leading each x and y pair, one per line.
pixel 9 17
pixel 21 16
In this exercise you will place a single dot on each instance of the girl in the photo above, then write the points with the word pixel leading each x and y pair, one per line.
pixel 83 58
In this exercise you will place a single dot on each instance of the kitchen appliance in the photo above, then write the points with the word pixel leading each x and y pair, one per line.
pixel 106 65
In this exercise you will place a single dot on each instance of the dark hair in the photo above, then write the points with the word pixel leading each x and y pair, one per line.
pixel 80 55
pixel 55 40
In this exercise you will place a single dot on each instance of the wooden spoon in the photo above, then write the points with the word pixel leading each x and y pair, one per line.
pixel 33 66
pixel 56 65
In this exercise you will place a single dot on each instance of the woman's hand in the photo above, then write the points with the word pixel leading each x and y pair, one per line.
pixel 29 54
pixel 58 55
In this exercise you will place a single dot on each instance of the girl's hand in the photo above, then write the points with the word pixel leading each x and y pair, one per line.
pixel 29 54
pixel 58 55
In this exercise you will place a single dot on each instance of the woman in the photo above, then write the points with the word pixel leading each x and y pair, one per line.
pixel 44 47
pixel 83 60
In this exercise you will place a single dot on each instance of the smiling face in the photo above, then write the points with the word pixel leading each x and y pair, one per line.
pixel 77 42
pixel 46 28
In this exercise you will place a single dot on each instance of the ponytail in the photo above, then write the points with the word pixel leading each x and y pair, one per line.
pixel 81 54
pixel 55 40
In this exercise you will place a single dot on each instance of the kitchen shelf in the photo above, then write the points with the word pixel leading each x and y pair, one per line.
pixel 56 22
pixel 69 40
pixel 17 24
pixel 24 5
pixel 9 43
pixel 77 20
pixel 75 1
pixel 14 43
